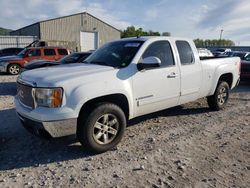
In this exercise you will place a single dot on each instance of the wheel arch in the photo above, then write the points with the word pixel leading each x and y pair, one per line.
pixel 12 63
pixel 227 77
pixel 118 99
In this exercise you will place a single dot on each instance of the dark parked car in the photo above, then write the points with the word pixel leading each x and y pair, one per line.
pixel 72 58
pixel 245 68
pixel 241 55
pixel 221 52
pixel 10 51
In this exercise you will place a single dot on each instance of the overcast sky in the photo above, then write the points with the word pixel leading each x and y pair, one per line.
pixel 184 18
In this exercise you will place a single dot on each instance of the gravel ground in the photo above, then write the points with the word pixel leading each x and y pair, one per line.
pixel 186 146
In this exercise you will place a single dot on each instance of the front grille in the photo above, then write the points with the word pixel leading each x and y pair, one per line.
pixel 24 94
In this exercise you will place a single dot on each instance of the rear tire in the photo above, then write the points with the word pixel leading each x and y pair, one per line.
pixel 14 69
pixel 102 128
pixel 220 97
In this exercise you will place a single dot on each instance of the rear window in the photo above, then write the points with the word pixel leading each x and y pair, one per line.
pixel 49 52
pixel 185 52
pixel 62 51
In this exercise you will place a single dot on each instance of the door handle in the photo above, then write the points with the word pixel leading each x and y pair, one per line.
pixel 172 75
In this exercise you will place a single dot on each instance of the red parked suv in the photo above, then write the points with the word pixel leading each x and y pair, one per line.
pixel 13 64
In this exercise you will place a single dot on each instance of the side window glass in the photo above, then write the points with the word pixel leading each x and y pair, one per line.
pixel 49 52
pixel 62 52
pixel 185 52
pixel 162 50
pixel 36 52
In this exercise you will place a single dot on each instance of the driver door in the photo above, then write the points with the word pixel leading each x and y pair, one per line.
pixel 33 54
pixel 159 87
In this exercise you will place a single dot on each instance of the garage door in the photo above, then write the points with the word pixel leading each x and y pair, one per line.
pixel 88 41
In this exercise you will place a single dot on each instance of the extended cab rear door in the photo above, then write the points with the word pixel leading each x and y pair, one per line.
pixel 191 71
pixel 159 87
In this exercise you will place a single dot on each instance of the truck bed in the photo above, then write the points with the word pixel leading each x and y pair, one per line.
pixel 213 68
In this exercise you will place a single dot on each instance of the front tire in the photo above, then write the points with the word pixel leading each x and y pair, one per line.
pixel 102 128
pixel 220 97
pixel 14 69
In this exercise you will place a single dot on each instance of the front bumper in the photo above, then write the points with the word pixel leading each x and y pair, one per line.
pixel 51 122
pixel 49 129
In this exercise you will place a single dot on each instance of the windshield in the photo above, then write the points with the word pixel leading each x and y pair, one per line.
pixel 117 54
pixel 23 52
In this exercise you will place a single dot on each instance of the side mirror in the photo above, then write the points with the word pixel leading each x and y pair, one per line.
pixel 29 55
pixel 149 62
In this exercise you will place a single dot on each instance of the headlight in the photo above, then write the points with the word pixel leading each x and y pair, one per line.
pixel 51 98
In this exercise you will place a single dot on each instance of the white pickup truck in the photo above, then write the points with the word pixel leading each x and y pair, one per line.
pixel 122 80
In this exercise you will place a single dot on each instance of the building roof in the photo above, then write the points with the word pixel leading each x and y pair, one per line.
pixel 66 17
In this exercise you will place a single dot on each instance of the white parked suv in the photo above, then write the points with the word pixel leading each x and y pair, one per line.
pixel 122 80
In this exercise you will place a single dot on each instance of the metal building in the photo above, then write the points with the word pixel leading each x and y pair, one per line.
pixel 78 32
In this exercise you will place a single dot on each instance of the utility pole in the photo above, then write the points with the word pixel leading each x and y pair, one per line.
pixel 221 31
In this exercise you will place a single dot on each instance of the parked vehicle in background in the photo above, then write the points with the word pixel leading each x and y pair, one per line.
pixel 76 57
pixel 245 68
pixel 10 51
pixel 122 80
pixel 242 55
pixel 203 52
pixel 13 64
pixel 221 52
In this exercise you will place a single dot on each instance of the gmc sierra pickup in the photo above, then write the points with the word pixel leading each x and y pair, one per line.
pixel 122 80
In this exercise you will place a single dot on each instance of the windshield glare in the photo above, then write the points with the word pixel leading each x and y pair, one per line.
pixel 117 54
pixel 70 58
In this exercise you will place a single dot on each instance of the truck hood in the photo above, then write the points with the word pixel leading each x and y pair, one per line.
pixel 38 63
pixel 10 58
pixel 62 74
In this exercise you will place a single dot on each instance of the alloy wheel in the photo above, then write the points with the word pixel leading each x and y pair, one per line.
pixel 105 129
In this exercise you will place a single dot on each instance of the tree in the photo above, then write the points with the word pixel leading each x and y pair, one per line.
pixel 132 32
pixel 4 31
pixel 166 34
pixel 214 42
